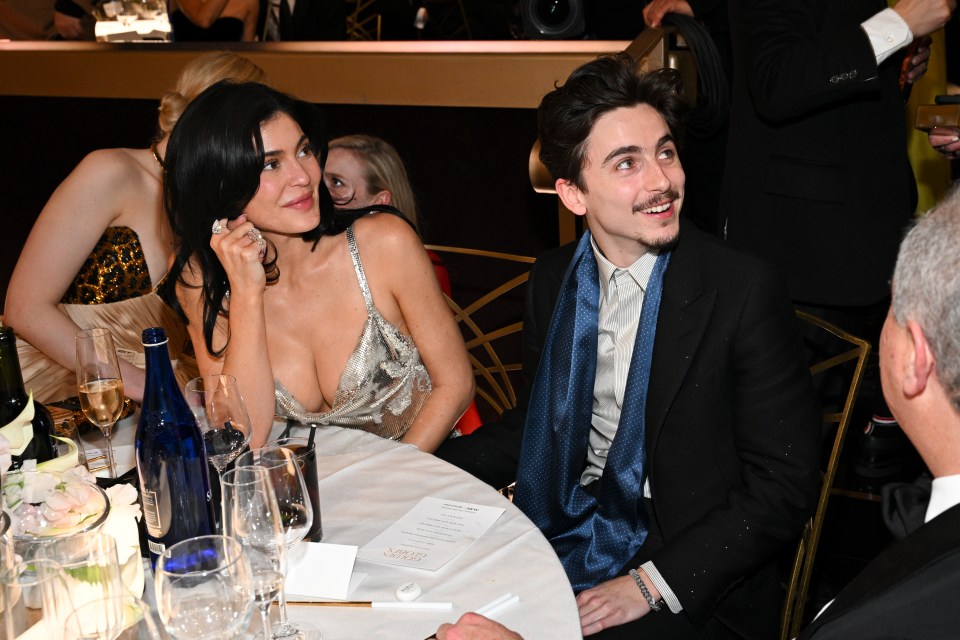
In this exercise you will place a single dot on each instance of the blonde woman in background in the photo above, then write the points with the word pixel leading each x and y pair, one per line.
pixel 364 170
pixel 98 250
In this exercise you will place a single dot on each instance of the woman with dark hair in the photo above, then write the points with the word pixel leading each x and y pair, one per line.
pixel 274 290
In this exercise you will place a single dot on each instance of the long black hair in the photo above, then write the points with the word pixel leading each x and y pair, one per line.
pixel 212 170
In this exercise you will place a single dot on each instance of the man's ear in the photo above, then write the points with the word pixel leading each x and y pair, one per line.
pixel 384 197
pixel 571 196
pixel 921 363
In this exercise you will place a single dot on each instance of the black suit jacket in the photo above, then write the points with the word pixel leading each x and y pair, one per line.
pixel 908 591
pixel 817 179
pixel 311 20
pixel 733 427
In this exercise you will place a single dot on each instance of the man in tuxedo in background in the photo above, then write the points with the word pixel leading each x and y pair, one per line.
pixel 670 433
pixel 909 590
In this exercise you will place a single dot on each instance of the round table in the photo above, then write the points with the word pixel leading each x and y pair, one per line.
pixel 367 483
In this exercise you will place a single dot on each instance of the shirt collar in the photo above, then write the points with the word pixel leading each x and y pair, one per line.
pixel 944 494
pixel 640 270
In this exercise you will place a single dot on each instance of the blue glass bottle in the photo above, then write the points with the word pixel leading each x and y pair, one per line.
pixel 171 461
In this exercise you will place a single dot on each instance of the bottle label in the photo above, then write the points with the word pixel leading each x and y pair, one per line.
pixel 156 547
pixel 152 515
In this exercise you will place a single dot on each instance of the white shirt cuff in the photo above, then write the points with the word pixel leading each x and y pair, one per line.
pixel 665 591
pixel 888 33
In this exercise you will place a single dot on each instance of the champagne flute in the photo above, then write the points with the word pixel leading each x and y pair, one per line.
pixel 222 416
pixel 99 384
pixel 251 515
pixel 296 516
pixel 203 588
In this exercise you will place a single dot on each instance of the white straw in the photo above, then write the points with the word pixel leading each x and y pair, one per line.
pixel 503 606
pixel 493 603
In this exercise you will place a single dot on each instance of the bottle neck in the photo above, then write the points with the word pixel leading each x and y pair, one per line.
pixel 11 380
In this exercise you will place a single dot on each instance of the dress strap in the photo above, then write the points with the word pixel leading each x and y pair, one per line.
pixel 361 277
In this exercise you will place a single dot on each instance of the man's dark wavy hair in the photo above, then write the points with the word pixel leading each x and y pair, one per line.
pixel 567 114
pixel 212 170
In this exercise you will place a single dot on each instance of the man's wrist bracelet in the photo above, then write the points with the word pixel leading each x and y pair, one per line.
pixel 653 604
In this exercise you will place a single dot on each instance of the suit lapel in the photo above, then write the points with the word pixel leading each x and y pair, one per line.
pixel 684 313
pixel 896 564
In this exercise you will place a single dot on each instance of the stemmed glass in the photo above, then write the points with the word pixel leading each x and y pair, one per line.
pixel 296 516
pixel 251 515
pixel 222 416
pixel 203 588
pixel 99 384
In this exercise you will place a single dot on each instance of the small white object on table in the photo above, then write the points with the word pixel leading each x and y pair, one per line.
pixel 367 483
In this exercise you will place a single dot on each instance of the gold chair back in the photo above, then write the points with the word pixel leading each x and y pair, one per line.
pixel 363 22
pixel 856 350
pixel 491 322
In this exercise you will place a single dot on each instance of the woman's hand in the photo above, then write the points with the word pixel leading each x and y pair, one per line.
pixel 612 603
pixel 946 140
pixel 240 247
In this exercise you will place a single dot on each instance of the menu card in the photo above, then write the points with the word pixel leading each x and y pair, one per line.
pixel 430 534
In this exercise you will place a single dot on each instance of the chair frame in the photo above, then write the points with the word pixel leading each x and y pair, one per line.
pixel 498 391
pixel 363 27
pixel 802 570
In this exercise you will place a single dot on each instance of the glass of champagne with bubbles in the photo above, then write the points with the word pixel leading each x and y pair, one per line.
pixel 99 384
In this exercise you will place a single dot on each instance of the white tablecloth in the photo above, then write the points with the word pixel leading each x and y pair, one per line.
pixel 367 483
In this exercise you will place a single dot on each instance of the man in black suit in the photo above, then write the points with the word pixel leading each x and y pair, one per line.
pixel 909 590
pixel 687 485
pixel 308 21
pixel 817 180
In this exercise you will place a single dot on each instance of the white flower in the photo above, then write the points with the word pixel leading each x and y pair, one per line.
pixel 121 523
pixel 5 457
pixel 37 487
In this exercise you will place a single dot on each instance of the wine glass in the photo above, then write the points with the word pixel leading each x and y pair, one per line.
pixel 222 416
pixel 251 515
pixel 99 384
pixel 117 618
pixel 296 517
pixel 203 588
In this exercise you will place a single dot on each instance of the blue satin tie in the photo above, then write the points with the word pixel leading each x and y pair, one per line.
pixel 592 539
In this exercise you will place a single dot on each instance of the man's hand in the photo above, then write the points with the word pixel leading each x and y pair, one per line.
pixel 473 626
pixel 653 13
pixel 946 140
pixel 613 603
pixel 925 16
pixel 68 27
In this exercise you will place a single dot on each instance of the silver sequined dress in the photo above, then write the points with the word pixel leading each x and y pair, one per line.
pixel 384 384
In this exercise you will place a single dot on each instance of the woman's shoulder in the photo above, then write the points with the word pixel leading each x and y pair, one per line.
pixel 113 166
pixel 385 230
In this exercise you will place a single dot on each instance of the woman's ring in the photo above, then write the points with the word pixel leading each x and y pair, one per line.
pixel 255 235
pixel 217 228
